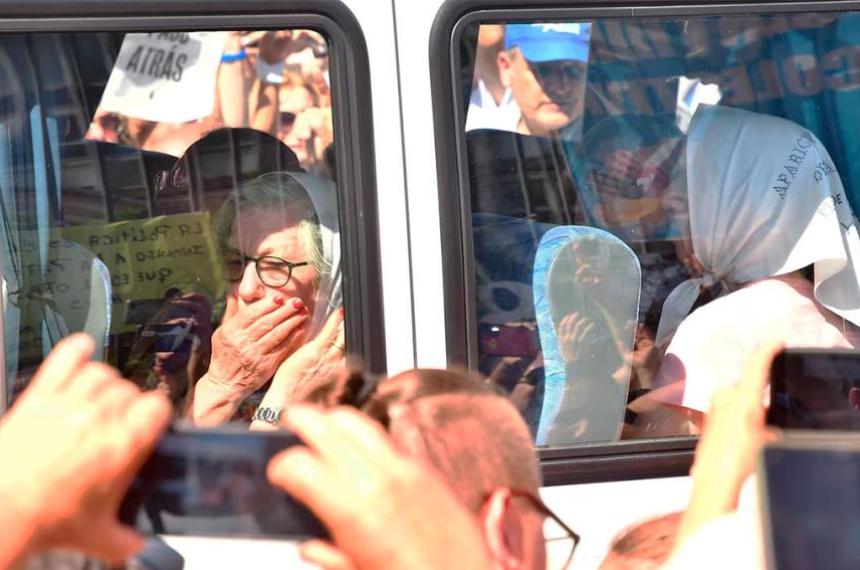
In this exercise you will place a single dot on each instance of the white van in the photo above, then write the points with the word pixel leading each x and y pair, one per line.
pixel 481 155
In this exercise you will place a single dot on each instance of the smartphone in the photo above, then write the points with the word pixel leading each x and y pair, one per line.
pixel 141 311
pixel 169 338
pixel 810 502
pixel 205 482
pixel 815 389
pixel 508 340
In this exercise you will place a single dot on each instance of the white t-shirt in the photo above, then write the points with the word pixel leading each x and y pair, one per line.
pixel 484 113
pixel 709 348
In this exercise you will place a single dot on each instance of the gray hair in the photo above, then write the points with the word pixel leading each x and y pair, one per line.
pixel 279 193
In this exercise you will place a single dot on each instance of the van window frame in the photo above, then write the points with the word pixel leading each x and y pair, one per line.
pixel 351 118
pixel 609 461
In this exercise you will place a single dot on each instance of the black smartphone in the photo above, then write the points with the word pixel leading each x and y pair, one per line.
pixel 213 483
pixel 141 311
pixel 810 502
pixel 169 338
pixel 815 389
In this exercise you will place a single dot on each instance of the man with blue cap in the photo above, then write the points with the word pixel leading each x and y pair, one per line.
pixel 545 65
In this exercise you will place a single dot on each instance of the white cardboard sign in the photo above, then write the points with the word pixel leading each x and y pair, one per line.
pixel 165 76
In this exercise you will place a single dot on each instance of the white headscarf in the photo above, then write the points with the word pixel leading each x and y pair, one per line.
pixel 765 200
pixel 323 194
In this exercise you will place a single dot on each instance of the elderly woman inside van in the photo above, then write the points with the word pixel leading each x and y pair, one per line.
pixel 771 226
pixel 283 320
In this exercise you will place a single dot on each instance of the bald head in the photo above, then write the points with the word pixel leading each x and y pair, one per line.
pixel 460 426
pixel 646 546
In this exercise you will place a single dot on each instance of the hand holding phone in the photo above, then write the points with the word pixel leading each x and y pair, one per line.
pixel 213 483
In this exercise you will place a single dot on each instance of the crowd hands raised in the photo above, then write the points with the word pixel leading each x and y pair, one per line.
pixel 276 82
pixel 389 475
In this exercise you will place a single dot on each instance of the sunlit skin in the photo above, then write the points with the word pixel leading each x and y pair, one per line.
pixel 258 232
pixel 263 326
pixel 491 41
pixel 512 527
pixel 541 114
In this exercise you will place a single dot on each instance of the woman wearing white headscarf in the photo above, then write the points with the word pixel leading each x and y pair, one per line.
pixel 767 208
pixel 283 321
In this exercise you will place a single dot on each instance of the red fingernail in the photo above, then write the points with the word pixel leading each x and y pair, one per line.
pixel 298 304
pixel 279 301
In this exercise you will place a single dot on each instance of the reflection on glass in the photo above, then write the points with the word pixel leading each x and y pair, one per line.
pixel 542 68
pixel 118 154
pixel 586 299
pixel 719 204
pixel 787 255
pixel 266 328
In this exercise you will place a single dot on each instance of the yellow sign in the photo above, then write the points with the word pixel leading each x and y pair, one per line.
pixel 148 259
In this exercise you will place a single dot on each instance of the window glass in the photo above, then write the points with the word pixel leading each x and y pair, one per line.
pixel 652 198
pixel 173 195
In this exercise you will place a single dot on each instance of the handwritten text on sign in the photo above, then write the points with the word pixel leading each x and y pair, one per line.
pixel 148 258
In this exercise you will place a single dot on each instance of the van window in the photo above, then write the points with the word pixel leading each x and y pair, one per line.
pixel 173 194
pixel 649 200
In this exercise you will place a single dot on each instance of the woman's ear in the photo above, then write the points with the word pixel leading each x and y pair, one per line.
pixel 503 531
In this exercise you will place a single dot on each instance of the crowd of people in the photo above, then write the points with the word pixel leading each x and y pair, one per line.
pixel 671 198
pixel 434 470
pixel 276 82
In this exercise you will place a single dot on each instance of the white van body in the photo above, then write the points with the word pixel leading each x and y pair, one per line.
pixel 411 233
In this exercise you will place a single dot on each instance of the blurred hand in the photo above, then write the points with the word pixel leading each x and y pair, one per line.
pixel 251 344
pixel 645 358
pixel 383 509
pixel 734 431
pixel 573 333
pixel 71 445
pixel 274 46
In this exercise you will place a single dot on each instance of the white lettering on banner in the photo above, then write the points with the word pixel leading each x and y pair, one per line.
pixel 165 76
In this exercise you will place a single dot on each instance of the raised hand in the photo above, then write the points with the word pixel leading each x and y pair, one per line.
pixel 72 444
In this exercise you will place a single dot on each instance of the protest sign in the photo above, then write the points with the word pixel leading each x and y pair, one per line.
pixel 145 260
pixel 165 76
pixel 149 258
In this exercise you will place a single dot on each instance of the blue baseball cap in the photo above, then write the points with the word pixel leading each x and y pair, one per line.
pixel 549 41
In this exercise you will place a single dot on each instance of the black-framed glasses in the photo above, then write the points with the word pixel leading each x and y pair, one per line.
pixel 559 539
pixel 273 271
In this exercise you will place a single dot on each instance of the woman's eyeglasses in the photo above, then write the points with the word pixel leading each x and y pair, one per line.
pixel 273 271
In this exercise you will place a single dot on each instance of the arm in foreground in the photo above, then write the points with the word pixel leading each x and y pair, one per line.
pixel 71 446
pixel 734 433
pixel 384 511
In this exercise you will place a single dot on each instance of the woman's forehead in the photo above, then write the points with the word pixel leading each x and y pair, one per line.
pixel 256 229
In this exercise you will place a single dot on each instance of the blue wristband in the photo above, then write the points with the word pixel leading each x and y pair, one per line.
pixel 231 57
